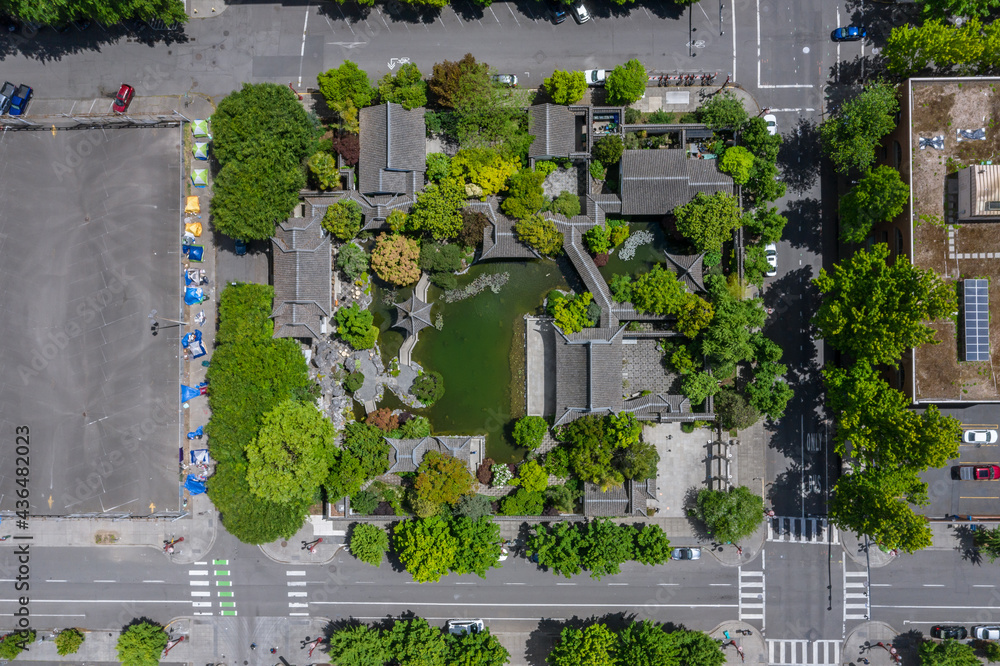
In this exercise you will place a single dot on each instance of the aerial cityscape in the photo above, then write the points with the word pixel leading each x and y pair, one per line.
pixel 539 332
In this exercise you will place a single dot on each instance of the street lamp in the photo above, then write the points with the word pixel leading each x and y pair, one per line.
pixel 154 327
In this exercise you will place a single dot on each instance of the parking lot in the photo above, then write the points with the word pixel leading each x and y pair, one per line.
pixel 89 245
pixel 949 496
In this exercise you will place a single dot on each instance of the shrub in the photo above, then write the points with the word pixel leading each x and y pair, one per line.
pixel 502 475
pixel 522 503
pixel 632 116
pixel 348 146
pixel 532 477
pixel 524 194
pixel 608 149
pixel 539 233
pixel 355 326
pixel 547 167
pixel 473 507
pixel 414 427
pixel 621 288
pixel 438 166
pixel 68 641
pixel 428 387
pixel 394 259
pixel 557 462
pixel 597 170
pixel 598 240
pixel 619 231
pixel 343 219
pixel 485 471
pixel 659 117
pixel 473 224
pixel 383 419
pixel 352 260
pixel 354 381
pixel 436 257
pixel 368 543
pixel 570 313
pixel 529 431
pixel 566 203
pixel 364 502
pixel 323 168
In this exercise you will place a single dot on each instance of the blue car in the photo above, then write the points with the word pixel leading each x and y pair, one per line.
pixel 851 33
pixel 19 102
pixel 240 246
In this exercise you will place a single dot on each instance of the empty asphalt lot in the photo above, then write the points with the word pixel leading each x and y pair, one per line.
pixel 89 244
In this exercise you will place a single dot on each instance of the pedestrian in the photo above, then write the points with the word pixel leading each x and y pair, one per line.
pixel 253 646
pixel 273 650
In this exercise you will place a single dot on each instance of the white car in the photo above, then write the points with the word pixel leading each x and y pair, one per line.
pixel 771 254
pixel 989 632
pixel 772 124
pixel 686 554
pixel 580 13
pixel 980 437
pixel 596 77
pixel 461 627
pixel 508 80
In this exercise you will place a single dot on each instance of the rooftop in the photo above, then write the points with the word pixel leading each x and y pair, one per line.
pixel 655 181
pixel 303 274
pixel 393 150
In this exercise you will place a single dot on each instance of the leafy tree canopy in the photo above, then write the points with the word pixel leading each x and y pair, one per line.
pixel 626 83
pixel 394 259
pixel 948 653
pixel 438 210
pixel 851 135
pixel 108 12
pixel 566 87
pixel 479 545
pixel 529 431
pixel 428 387
pixel 347 86
pixel 369 542
pixel 594 645
pixel 525 196
pixel 343 219
pixel 737 161
pixel 68 641
pixel 355 326
pixel 454 82
pixel 251 196
pixel 416 643
pixel 426 547
pixel 730 515
pixel 484 167
pixel 723 110
pixel 476 649
pixel 407 87
pixel 141 644
pixel 608 149
pixel 708 221
pixel 540 233
pixel 442 479
pixel 879 196
pixel 358 645
pixel 647 644
pixel 698 649
pixel 352 260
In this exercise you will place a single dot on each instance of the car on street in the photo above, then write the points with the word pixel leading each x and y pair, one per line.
pixel 979 472
pixel 6 94
pixel 461 627
pixel 557 10
pixel 596 77
pixel 686 554
pixel 240 246
pixel 19 100
pixel 851 33
pixel 949 631
pixel 980 437
pixel 580 13
pixel 986 632
pixel 772 123
pixel 123 98
pixel 771 254
pixel 508 80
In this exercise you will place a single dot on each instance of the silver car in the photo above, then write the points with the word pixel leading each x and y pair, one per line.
pixel 686 554
pixel 461 627
pixel 771 254
pixel 980 437
pixel 986 632
pixel 6 93
pixel 580 13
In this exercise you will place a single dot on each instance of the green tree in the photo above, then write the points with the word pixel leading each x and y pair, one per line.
pixel 594 645
pixel 438 166
pixel 697 386
pixel 352 260
pixel 647 644
pixel 407 87
pixel 323 168
pixel 626 83
pixel 484 167
pixel 416 643
pixel 141 644
pixel 570 312
pixel 604 546
pixel 438 210
pixel 608 150
pixel 394 259
pixel 529 431
pixel 476 649
pixel 737 161
pixel 55 13
pixel 478 545
pixel 708 221
pixel 68 641
pixel 698 649
pixel 566 204
pixel 532 477
pixel 876 504
pixel 442 479
pixel 522 502
pixel 557 547
pixel 426 547
pixel 733 410
pixel 987 541
pixel 768 392
pixel 343 219
pixel 660 292
pixel 766 223
pixel 473 506
pixel 566 87
pixel 638 461
pixel 355 326
pixel 436 257
pixel 368 543
pixel 948 653
pixel 621 288
pixel 652 545
pixel 540 233
pixel 875 311
pixel 851 135
pixel 453 83
pixel 879 196
pixel 15 642
pixel 250 197
pixel 949 8
pixel 346 87
pixel 525 196
pixel 289 459
pixel 730 515
pixel 358 645
pixel 563 497
pixel 428 387
pixel 723 110
pixel 246 516
pixel 732 336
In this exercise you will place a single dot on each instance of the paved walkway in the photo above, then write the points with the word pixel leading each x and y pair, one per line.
pixel 753 646
pixel 863 642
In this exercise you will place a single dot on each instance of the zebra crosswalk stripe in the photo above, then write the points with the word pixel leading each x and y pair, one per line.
pixel 802 653
pixel 801 530
pixel 856 604
pixel 751 591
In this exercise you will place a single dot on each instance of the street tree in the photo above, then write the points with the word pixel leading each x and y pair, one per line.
pixel 289 458
pixel 737 161
pixel 594 645
pixel 626 83
pixel 476 649
pixel 426 547
pixel 768 393
pixel 966 8
pixel 708 221
pixel 876 311
pixel 697 648
pixel 346 88
pixel 566 87
pixel 416 643
pixel 15 643
pixel 68 641
pixel 357 645
pixel 652 545
pixel 368 543
pixel 723 110
pixel 478 545
pixel 879 196
pixel 733 410
pixel 557 547
pixel 453 83
pixel 141 644
pixel 948 653
pixel 766 223
pixel 604 546
pixel 647 644
pixel 987 541
pixel 851 135
pixel 876 503
pixel 108 12
pixel 730 515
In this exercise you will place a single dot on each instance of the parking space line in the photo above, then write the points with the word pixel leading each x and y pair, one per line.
pixel 513 14
pixel 494 15
pixel 344 16
pixel 382 16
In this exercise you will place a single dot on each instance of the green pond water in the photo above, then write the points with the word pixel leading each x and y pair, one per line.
pixel 473 350
pixel 645 255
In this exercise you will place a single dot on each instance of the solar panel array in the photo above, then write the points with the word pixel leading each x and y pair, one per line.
pixel 977 320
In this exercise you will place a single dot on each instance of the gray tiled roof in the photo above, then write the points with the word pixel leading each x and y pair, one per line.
pixel 628 499
pixel 499 239
pixel 303 273
pixel 588 375
pixel 413 315
pixel 654 182
pixel 405 455
pixel 393 149
pixel 553 127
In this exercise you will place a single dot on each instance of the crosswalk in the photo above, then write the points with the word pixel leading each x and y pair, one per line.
pixel 298 602
pixel 205 593
pixel 751 590
pixel 856 603
pixel 802 653
pixel 801 530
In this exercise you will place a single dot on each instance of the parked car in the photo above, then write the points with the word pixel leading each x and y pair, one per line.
pixel 954 632
pixel 557 11
pixel 986 632
pixel 771 254
pixel 123 98
pixel 460 627
pixel 851 33
pixel 979 472
pixel 240 246
pixel 596 77
pixel 772 123
pixel 980 437
pixel 508 80
pixel 580 13
pixel 686 554
pixel 6 94
pixel 19 101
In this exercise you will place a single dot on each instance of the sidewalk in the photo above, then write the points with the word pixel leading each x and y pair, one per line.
pixel 753 646
pixel 863 642
pixel 74 112
pixel 291 551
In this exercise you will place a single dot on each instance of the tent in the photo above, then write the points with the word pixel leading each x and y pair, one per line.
pixel 200 128
pixel 192 206
pixel 199 177
pixel 189 392
pixel 200 151
pixel 199 456
pixel 193 485
pixel 194 252
pixel 192 342
pixel 194 296
pixel 194 228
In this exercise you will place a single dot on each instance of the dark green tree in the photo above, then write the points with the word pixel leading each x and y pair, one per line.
pixel 708 221
pixel 407 87
pixel 987 540
pixel 604 546
pixel 768 392
pixel 851 135
pixel 557 547
pixel 435 257
pixel 108 12
pixel 522 502
pixel 765 223
pixel 358 645
pixel 626 83
pixel 647 644
pixel 730 515
pixel 879 196
pixel 368 543
pixel 948 653
pixel 141 644
pixel 698 649
pixel 638 461
pixel 529 431
pixel 524 194
pixel 478 545
pixel 352 260
pixel 428 387
pixel 250 197
pixel 723 110
pixel 733 410
pixel 354 325
pixel 473 507
pixel 594 645
pixel 476 649
pixel 416 643
pixel 608 149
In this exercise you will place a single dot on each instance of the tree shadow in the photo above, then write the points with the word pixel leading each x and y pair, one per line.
pixel 805 216
pixel 965 537
pixel 908 645
pixel 799 156
pixel 47 44
pixel 784 492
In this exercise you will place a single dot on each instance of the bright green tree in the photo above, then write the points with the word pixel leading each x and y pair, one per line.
pixel 343 219
pixel 15 642
pixel 323 168
pixel 967 8
pixel 442 479
pixel 141 644
pixel 566 87
pixel 108 12
pixel 346 87
pixel 948 653
pixel 540 233
pixel 426 547
pixel 879 196
pixel 652 545
pixel 733 334
pixel 737 161
pixel 529 431
pixel 484 167
pixel 476 649
pixel 851 135
pixel 876 311
pixel 368 543
pixel 438 167
pixel 708 221
pixel 698 649
pixel 566 204
pixel 876 503
pixel 604 546
pixel 647 644
pixel 416 643
pixel 557 547
pixel 698 386
pixel 730 515
pixel 357 645
pixel 355 326
pixel 570 312
pixel 525 196
pixel 626 83
pixel 68 641
pixel 768 393
pixel 478 545
pixel 438 210
pixel 594 645
pixel 407 87
pixel 532 477
pixel 522 502
pixel 289 458
pixel 723 110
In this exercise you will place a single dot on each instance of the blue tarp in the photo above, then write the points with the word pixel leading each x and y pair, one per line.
pixel 196 434
pixel 194 252
pixel 188 392
pixel 189 338
pixel 199 456
pixel 193 485
pixel 194 295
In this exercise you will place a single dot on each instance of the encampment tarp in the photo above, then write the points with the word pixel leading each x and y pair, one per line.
pixel 200 151
pixel 194 295
pixel 199 127
pixel 194 252
pixel 192 206
pixel 199 456
pixel 199 177
pixel 193 485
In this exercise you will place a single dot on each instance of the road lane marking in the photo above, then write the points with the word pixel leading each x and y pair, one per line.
pixel 296 583
pixel 295 573
pixel 720 584
pixel 617 583
pixel 932 585
pixel 36 600
pixel 984 586
pixel 153 581
pixel 199 582
pixel 218 562
pixel 55 580
pixel 105 581
pixel 565 583
pixel 299 614
pixel 504 605
pixel 199 572
pixel 515 583
pixel 297 594
pixel 989 608
pixel 201 604
pixel 200 594
pixel 297 605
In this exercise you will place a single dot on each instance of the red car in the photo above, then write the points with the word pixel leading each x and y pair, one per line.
pixel 979 472
pixel 123 98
